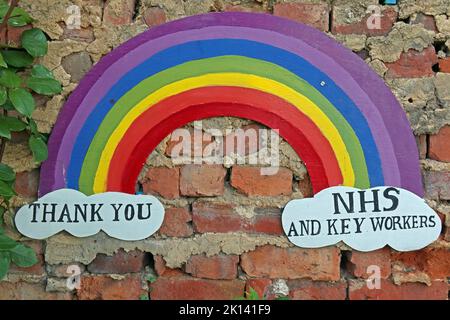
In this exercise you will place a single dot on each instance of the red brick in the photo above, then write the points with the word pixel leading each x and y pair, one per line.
pixel 440 145
pixel 292 263
pixel 358 290
pixel 435 262
pixel 243 8
pixel 250 181
pixel 437 184
pixel 422 146
pixel 27 183
pixel 154 16
pixel 163 182
pixel 118 12
pixel 261 286
pixel 81 34
pixel 427 21
pixel 388 18
pixel 317 290
pixel 176 223
pixel 162 270
pixel 238 142
pixel 216 267
pixel 305 187
pixel 413 64
pixel 120 262
pixel 106 288
pixel 315 15
pixel 29 291
pixel 444 65
pixel 202 180
pixel 15 34
pixel 216 217
pixel 358 262
pixel 194 147
pixel 187 288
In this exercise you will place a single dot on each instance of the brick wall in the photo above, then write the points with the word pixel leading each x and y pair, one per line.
pixel 222 232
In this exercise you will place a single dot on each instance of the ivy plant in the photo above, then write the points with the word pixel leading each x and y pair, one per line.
pixel 21 79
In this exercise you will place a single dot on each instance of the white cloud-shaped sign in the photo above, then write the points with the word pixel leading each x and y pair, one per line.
pixel 122 216
pixel 365 220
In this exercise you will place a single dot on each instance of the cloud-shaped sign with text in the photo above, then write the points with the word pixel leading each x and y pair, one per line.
pixel 122 216
pixel 365 220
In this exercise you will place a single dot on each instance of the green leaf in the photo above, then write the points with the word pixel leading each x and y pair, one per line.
pixel 144 297
pixel 2 212
pixel 12 124
pixel 6 173
pixel 39 148
pixel 5 132
pixel 23 256
pixel 39 71
pixel 22 100
pixel 5 190
pixel 9 79
pixel 35 42
pixel 6 243
pixel 5 261
pixel 33 126
pixel 3 95
pixel 44 86
pixel 253 295
pixel 283 298
pixel 17 58
pixel 8 105
pixel 3 62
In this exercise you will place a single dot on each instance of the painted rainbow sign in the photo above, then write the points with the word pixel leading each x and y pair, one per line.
pixel 335 112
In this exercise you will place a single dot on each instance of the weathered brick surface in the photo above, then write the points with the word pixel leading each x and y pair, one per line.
pixel 107 288
pixel 154 16
pixel 250 181
pixel 314 14
pixel 409 51
pixel 359 263
pixel 358 290
pixel 440 145
pixel 317 290
pixel 437 184
pixel 444 65
pixel 120 262
pixel 206 180
pixel 162 270
pixel 27 183
pixel 118 12
pixel 292 263
pixel 163 182
pixel 29 291
pixel 434 262
pixel 176 223
pixel 187 288
pixel 341 26
pixel 413 64
pixel 215 217
pixel 216 267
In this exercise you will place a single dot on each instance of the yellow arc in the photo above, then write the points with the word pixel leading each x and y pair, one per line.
pixel 306 106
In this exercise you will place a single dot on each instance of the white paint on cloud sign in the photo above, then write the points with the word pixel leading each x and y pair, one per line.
pixel 365 220
pixel 122 216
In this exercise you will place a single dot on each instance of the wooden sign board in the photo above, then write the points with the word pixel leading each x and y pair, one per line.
pixel 365 220
pixel 120 215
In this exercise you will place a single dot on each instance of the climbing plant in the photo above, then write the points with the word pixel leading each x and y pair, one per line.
pixel 21 78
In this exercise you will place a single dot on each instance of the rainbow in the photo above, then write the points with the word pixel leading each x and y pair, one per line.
pixel 336 113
